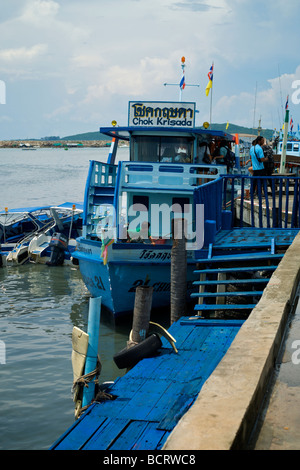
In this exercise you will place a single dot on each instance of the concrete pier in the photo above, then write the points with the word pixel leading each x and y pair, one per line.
pixel 226 410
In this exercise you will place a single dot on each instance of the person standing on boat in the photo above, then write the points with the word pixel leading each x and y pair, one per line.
pixel 204 155
pixel 220 153
pixel 257 159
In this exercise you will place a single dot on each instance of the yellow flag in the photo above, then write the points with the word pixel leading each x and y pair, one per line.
pixel 209 85
pixel 227 125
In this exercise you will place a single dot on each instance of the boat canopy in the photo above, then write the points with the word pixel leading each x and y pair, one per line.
pixel 124 133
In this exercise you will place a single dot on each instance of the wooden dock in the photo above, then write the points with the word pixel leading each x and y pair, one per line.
pixel 236 263
pixel 152 397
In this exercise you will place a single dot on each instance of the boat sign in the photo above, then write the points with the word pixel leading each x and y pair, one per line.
pixel 161 114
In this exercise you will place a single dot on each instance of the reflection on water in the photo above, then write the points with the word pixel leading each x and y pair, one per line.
pixel 40 305
pixel 38 309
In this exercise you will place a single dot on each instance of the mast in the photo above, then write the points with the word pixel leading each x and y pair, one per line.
pixel 284 141
pixel 182 83
pixel 254 107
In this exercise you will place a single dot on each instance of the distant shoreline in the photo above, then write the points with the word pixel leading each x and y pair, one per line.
pixel 55 144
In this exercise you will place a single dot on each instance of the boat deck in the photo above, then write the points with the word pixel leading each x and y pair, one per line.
pixel 151 398
pixel 255 238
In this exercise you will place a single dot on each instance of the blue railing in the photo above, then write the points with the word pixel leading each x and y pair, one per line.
pixel 275 204
pixel 162 176
pixel 100 186
pixel 230 201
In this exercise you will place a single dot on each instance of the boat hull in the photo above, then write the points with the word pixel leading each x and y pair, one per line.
pixel 127 268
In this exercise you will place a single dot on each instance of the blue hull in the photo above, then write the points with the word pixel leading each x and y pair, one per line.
pixel 127 268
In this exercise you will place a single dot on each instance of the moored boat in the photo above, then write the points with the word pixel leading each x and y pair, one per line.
pixel 129 208
pixel 26 233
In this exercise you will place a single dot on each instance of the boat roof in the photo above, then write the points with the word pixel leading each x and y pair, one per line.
pixel 26 210
pixel 125 132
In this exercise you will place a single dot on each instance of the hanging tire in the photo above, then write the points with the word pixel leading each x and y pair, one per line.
pixel 129 357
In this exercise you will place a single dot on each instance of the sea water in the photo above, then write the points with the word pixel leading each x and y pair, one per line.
pixel 40 305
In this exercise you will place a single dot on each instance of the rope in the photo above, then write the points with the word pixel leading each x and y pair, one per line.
pixel 84 381
pixel 87 378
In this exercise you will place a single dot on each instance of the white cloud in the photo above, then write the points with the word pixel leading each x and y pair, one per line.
pixel 23 54
pixel 90 58
pixel 39 10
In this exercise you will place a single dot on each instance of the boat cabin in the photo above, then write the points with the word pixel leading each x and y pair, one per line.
pixel 166 163
pixel 292 148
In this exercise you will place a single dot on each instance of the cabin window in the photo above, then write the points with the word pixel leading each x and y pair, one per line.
pixel 162 149
pixel 141 201
pixel 181 201
pixel 296 147
pixel 289 147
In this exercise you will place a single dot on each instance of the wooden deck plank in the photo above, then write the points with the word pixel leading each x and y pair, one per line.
pixel 241 257
pixel 107 434
pixel 242 269
pixel 231 281
pixel 212 307
pixel 145 402
pixel 249 237
pixel 228 294
pixel 81 432
pixel 151 438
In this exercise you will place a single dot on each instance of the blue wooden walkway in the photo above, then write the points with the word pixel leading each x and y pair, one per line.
pixel 152 397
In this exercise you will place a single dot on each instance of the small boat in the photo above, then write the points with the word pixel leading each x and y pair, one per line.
pixel 55 245
pixel 292 148
pixel 17 224
pixel 165 167
pixel 26 234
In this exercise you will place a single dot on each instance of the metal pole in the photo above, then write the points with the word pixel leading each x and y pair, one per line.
pixel 178 271
pixel 284 141
pixel 92 352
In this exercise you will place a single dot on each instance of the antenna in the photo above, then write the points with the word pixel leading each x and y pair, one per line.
pixel 254 107
pixel 280 93
pixel 182 83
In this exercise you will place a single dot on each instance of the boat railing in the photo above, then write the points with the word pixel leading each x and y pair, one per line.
pixel 275 203
pixel 166 176
pixel 230 202
pixel 103 174
pixel 100 188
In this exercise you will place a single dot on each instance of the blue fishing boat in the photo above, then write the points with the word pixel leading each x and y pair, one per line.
pixel 20 223
pixel 129 207
pixel 55 245
pixel 26 233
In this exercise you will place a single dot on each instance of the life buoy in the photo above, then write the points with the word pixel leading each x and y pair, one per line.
pixel 129 357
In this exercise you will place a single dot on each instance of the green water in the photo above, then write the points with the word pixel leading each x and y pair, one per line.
pixel 39 306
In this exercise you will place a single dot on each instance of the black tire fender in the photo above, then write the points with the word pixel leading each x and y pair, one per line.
pixel 129 357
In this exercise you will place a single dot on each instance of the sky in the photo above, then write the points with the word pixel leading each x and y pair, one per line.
pixel 71 66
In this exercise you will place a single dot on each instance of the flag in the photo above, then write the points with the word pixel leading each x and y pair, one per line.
pixel 210 79
pixel 291 124
pixel 227 125
pixel 287 103
pixel 182 82
pixel 104 247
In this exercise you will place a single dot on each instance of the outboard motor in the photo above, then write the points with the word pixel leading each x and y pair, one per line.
pixel 58 245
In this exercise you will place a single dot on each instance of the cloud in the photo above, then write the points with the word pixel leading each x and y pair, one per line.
pixel 85 60
pixel 192 6
pixel 39 10
pixel 23 54
pixel 246 109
